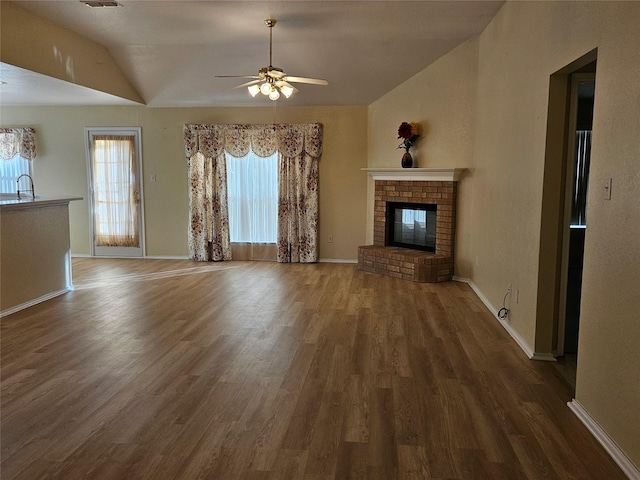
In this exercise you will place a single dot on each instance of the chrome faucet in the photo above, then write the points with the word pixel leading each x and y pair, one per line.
pixel 33 192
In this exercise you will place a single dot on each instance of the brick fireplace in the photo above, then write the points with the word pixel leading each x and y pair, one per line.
pixel 418 185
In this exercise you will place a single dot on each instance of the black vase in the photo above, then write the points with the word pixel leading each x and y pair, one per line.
pixel 407 160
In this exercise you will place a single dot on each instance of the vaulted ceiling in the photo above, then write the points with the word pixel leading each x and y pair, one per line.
pixel 171 51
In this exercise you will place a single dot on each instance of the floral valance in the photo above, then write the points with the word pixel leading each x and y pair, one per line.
pixel 289 139
pixel 17 141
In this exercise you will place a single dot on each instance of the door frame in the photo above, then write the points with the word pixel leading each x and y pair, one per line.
pixel 553 210
pixel 121 252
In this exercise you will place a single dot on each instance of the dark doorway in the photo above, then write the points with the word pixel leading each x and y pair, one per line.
pixel 583 85
pixel 577 181
pixel 565 213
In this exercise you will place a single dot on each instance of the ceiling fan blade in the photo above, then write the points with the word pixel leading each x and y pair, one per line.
pixel 252 82
pixel 312 81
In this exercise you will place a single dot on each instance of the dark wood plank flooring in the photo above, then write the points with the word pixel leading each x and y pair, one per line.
pixel 168 369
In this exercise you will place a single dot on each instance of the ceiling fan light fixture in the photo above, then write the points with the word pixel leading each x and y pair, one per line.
pixel 274 81
pixel 253 90
pixel 265 88
pixel 274 94
pixel 286 90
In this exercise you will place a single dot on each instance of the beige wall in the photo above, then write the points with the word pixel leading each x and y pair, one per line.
pixel 442 99
pixel 34 43
pixel 521 48
pixel 505 153
pixel 60 167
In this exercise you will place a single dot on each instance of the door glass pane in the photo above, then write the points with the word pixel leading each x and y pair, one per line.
pixel 115 193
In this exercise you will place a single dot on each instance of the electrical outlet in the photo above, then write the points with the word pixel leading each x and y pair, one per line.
pixel 330 239
pixel 153 177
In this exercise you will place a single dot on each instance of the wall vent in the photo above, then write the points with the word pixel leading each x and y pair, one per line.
pixel 100 4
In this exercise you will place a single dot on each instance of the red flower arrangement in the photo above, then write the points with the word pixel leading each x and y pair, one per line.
pixel 409 132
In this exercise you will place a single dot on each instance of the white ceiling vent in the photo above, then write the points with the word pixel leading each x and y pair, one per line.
pixel 100 4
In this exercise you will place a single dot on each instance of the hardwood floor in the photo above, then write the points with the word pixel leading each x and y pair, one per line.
pixel 158 369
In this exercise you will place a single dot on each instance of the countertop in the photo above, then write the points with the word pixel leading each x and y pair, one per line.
pixel 11 201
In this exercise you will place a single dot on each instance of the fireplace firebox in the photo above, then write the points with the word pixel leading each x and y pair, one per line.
pixel 411 225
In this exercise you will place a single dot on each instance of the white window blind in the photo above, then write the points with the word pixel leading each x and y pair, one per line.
pixel 10 170
pixel 17 147
pixel 252 193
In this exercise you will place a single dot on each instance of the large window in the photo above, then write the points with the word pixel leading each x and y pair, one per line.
pixel 272 192
pixel 252 192
pixel 10 170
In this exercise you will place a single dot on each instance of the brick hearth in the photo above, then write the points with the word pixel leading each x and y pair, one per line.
pixel 404 263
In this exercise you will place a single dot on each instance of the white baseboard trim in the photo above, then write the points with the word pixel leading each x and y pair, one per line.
pixel 337 260
pixel 514 334
pixel 460 279
pixel 544 357
pixel 152 257
pixel 186 257
pixel 609 445
pixel 35 301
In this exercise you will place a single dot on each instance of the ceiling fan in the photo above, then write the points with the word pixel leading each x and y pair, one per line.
pixel 273 80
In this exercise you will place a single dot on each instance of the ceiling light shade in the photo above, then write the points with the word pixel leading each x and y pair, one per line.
pixel 265 88
pixel 253 90
pixel 286 90
pixel 274 95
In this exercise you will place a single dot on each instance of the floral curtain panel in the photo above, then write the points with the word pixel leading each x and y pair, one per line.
pixel 209 219
pixel 299 148
pixel 17 141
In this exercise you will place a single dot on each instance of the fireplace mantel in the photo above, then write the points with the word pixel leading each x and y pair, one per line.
pixel 419 174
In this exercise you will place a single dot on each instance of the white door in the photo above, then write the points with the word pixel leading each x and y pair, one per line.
pixel 115 191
